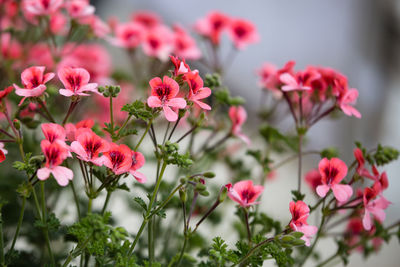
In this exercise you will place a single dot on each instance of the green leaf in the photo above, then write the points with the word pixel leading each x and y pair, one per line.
pixel 141 202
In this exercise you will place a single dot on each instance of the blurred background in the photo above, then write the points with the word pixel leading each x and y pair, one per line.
pixel 360 38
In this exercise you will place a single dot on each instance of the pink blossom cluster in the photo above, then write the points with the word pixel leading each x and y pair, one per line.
pixel 89 148
pixel 157 40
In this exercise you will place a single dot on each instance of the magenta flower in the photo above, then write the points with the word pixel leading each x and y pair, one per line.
pixel 41 7
pixel 332 172
pixel 197 91
pixel 238 116
pixel 76 82
pixel 138 161
pixel 244 192
pixel 300 212
pixel 243 33
pixel 55 154
pixel 163 94
pixel 374 205
pixel 118 158
pixel 88 145
pixel 33 80
pixel 346 102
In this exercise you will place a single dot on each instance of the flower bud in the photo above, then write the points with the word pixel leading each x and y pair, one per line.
pixel 209 175
pixel 182 194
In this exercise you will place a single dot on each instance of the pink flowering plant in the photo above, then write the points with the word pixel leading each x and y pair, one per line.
pixel 113 167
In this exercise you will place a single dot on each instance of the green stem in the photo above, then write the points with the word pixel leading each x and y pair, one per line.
pixel 44 220
pixel 111 116
pixel 21 218
pixel 76 199
pixel 124 125
pixel 69 112
pixel 150 235
pixel 146 219
pixel 251 251
pixel 106 202
pixel 144 134
pixel 300 162
pixel 246 220
pixel 2 258
pixel 182 251
pixel 90 205
pixel 311 249
pixel 167 200
pixel 48 114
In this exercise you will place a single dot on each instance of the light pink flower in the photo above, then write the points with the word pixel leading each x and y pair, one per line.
pixel 301 81
pixel 76 82
pixel 212 26
pixel 33 80
pixel 138 161
pixel 346 102
pixel 158 42
pixel 180 66
pixel 79 8
pixel 197 91
pixel 72 130
pixel 238 116
pixel 88 145
pixel 375 204
pixel 146 18
pixel 118 158
pixel 53 132
pixel 129 35
pixel 243 33
pixel 58 23
pixel 41 7
pixel 332 172
pixel 300 212
pixel 244 192
pixel 184 44
pixel 313 179
pixel 163 94
pixel 55 155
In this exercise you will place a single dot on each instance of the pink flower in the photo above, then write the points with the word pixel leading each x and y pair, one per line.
pixel 55 155
pixel 147 19
pixel 300 81
pixel 88 145
pixel 244 192
pixel 163 94
pixel 180 66
pixel 129 35
pixel 243 33
pixel 300 212
pixel 212 26
pixel 332 172
pixel 76 82
pixel 41 7
pixel 53 132
pixel 4 93
pixel 79 8
pixel 184 45
pixel 238 116
pixel 3 152
pixel 33 80
pixel 118 158
pixel 346 102
pixel 313 179
pixel 361 170
pixel 374 205
pixel 197 91
pixel 158 42
pixel 58 23
pixel 138 161
pixel 73 130
pixel 268 78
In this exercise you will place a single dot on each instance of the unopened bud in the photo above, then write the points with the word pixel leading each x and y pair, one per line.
pixel 182 194
pixel 222 194
pixel 209 175
pixel 17 124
